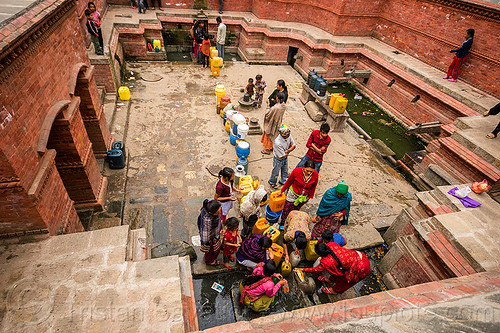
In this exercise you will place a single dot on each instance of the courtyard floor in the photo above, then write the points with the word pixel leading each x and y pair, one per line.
pixel 172 135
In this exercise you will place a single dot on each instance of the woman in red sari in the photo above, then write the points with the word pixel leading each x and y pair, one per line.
pixel 346 267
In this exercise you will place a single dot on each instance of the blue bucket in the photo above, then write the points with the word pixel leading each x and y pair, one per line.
pixel 272 217
pixel 233 138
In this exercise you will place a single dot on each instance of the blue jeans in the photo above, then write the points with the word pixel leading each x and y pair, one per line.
pixel 277 166
pixel 317 165
pixel 221 6
pixel 220 49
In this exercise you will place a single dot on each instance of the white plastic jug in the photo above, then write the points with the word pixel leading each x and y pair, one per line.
pixel 243 131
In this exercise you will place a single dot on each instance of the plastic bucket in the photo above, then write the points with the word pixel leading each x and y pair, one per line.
pixel 243 131
pixel 232 138
pixel 243 149
pixel 272 217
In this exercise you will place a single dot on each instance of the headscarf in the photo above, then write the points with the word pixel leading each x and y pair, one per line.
pixel 251 204
pixel 332 203
pixel 284 130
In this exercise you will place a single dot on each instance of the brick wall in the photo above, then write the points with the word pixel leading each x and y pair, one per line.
pixel 427 30
pixel 34 81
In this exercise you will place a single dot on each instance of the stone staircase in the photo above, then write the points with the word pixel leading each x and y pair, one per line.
pixel 94 281
pixel 440 238
pixel 464 155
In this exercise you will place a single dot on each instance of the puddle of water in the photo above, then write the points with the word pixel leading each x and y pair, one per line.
pixel 179 56
pixel 373 282
pixel 214 308
pixel 377 123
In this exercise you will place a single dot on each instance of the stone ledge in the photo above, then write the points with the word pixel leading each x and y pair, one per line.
pixel 384 303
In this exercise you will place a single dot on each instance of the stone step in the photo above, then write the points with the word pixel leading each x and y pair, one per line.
pixel 439 176
pixel 409 262
pixel 474 238
pixel 448 255
pixel 187 294
pixel 361 236
pixel 476 122
pixel 488 211
pixel 469 160
pixel 398 226
pixel 431 205
pixel 475 140
pixel 137 245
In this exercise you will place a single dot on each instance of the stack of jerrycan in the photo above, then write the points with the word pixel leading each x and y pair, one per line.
pixel 215 65
pixel 338 103
pixel 275 207
pixel 247 184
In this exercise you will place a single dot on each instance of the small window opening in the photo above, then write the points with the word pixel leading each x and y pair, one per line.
pixel 341 62
pixel 365 80
pixel 415 99
pixel 391 83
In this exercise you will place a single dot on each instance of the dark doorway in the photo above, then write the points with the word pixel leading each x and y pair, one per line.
pixel 292 51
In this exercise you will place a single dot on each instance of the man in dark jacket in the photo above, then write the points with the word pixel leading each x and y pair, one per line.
pixel 460 55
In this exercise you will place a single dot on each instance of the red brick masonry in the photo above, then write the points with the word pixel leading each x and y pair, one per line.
pixel 384 303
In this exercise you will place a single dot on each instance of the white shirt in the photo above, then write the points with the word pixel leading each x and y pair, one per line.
pixel 280 145
pixel 221 34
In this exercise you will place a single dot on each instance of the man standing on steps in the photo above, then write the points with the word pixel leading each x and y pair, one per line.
pixel 221 37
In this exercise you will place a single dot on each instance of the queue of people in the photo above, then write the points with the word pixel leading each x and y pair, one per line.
pixel 257 251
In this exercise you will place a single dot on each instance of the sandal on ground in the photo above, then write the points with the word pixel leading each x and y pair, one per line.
pixel 491 136
pixel 266 152
pixel 215 263
pixel 228 266
pixel 273 186
pixel 231 258
pixel 328 290
pixel 323 279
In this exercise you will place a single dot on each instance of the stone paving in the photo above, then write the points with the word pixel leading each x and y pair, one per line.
pixel 81 282
pixel 173 134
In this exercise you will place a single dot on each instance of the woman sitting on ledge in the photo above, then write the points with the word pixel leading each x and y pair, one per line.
pixel 258 290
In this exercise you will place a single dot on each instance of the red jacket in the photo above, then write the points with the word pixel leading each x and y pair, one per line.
pixel 296 180
pixel 319 143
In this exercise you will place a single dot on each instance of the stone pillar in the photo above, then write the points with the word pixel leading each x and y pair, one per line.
pixel 91 110
pixel 75 158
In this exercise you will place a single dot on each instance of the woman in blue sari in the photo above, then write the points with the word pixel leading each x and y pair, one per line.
pixel 333 210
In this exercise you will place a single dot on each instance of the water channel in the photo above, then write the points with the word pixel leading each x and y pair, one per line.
pixel 376 122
